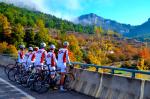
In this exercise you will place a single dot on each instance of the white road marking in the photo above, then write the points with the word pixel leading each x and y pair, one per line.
pixel 142 89
pixel 22 92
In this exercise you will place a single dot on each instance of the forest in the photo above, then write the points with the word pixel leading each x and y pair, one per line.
pixel 88 44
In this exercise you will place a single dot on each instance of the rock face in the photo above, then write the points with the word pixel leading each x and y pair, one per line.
pixel 107 24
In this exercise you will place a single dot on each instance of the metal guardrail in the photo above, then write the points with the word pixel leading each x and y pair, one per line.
pixel 83 65
pixel 132 71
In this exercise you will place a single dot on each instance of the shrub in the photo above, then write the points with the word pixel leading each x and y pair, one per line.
pixel 8 49
pixel 11 50
pixel 3 47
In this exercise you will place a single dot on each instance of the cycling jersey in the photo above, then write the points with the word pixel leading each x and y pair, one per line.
pixel 40 57
pixel 51 59
pixel 28 60
pixel 62 59
pixel 33 56
pixel 63 56
pixel 20 56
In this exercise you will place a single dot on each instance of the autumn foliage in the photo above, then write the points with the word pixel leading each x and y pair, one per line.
pixel 87 44
pixel 8 49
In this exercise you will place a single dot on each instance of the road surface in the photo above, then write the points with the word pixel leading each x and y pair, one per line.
pixel 11 90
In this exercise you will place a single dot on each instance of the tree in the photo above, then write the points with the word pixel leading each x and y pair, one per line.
pixel 29 37
pixel 18 34
pixel 40 23
pixel 5 29
pixel 98 31
pixel 140 64
pixel 42 35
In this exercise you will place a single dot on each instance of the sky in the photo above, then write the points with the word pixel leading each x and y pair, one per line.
pixel 134 12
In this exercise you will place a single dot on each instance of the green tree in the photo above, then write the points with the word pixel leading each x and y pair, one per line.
pixel 29 37
pixel 18 34
pixel 42 35
pixel 5 29
pixel 98 30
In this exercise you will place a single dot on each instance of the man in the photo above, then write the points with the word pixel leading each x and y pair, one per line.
pixel 28 58
pixel 40 56
pixel 63 58
pixel 34 53
pixel 21 54
pixel 51 60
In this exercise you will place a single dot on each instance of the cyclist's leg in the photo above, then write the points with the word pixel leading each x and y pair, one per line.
pixel 52 73
pixel 63 72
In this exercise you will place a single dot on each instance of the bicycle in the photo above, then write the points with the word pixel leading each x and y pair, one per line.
pixel 14 70
pixel 7 67
pixel 69 77
pixel 43 82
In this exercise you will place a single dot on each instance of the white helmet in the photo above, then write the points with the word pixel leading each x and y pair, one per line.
pixel 52 46
pixel 43 45
pixel 30 49
pixel 66 43
pixel 21 46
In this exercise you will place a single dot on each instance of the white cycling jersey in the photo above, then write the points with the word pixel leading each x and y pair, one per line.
pixel 21 56
pixel 33 56
pixel 40 57
pixel 28 59
pixel 51 59
pixel 63 57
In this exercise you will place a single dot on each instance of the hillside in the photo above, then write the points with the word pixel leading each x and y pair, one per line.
pixel 29 18
pixel 106 24
pixel 140 32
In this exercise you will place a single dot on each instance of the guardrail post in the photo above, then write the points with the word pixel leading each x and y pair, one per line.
pixel 82 66
pixel 112 71
pixel 133 74
pixel 97 69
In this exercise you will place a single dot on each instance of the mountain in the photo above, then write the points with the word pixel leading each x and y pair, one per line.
pixel 140 30
pixel 106 24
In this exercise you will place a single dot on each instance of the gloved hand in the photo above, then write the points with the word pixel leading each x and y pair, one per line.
pixel 71 66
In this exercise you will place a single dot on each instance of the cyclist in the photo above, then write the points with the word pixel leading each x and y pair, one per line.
pixel 63 58
pixel 21 54
pixel 40 56
pixel 27 58
pixel 51 60
pixel 51 63
pixel 34 53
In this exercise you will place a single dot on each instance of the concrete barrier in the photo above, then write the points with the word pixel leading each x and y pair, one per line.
pixel 146 90
pixel 107 86
pixel 86 82
pixel 116 87
pixel 5 60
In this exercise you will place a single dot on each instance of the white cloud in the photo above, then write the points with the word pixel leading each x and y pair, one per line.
pixel 73 4
pixel 70 5
pixel 30 4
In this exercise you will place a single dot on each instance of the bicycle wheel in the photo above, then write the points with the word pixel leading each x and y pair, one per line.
pixel 24 79
pixel 41 85
pixel 11 73
pixel 7 67
pixel 31 81
pixel 18 77
pixel 69 77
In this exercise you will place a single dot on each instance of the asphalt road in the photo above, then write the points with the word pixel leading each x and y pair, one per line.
pixel 11 90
